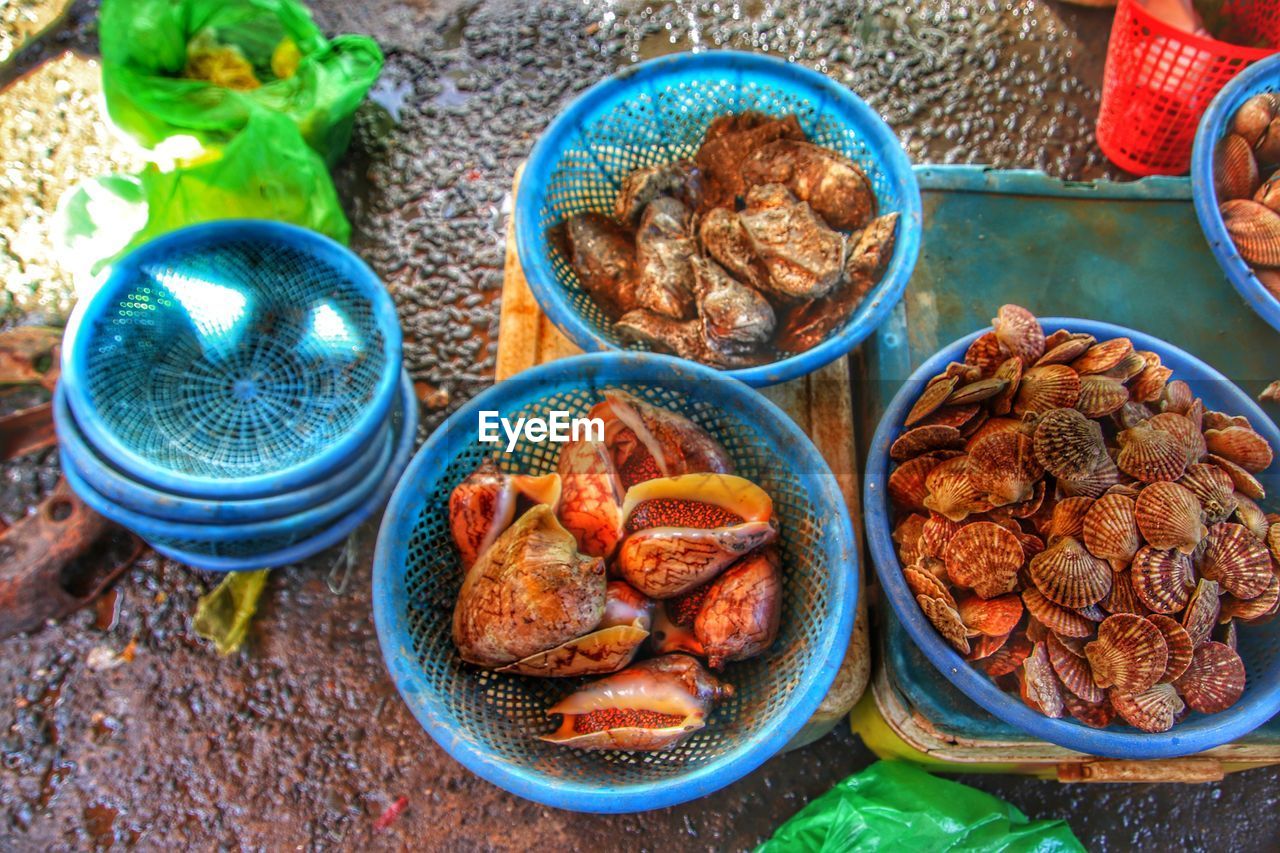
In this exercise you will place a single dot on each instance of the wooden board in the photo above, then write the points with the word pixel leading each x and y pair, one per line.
pixel 821 404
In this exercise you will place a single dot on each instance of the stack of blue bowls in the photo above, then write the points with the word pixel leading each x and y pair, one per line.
pixel 234 394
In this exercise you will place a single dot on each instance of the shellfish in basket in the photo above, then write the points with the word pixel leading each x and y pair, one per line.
pixel 1072 520
pixel 1247 188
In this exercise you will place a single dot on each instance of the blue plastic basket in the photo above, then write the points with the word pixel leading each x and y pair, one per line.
pixel 233 359
pixel 1259 644
pixel 128 494
pixel 488 721
pixel 657 112
pixel 1263 76
pixel 262 544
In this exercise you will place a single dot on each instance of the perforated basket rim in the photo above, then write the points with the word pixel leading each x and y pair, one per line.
pixel 75 369
pixel 1213 125
pixel 1260 702
pixel 531 242
pixel 340 529
pixel 390 598
pixel 129 494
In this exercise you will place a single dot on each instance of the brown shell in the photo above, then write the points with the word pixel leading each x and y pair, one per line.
pixel 1131 414
pixel 1031 544
pixel 1154 710
pixel 1096 484
pixel 1260 607
pixel 1227 633
pixel 1181 428
pixel 931 399
pixel 984 557
pixel 1148 386
pixel 1177 397
pixel 1009 656
pixel 1221 420
pixel 925 439
pixel 936 533
pixel 1255 230
pixel 1069 515
pixel 1129 654
pixel 906 485
pixel 1067 574
pixel 924 583
pixel 951 493
pixel 1202 611
pixel 1123 597
pixel 906 536
pixel 986 353
pixel 1213 488
pixel 992 426
pixel 1039 684
pixel 1253 117
pixel 1047 387
pixel 1235 169
pixel 1237 560
pixel 1094 715
pixel 945 618
pixel 1151 455
pixel 1063 347
pixel 990 617
pixel 1245 482
pixel 1058 619
pixel 1101 357
pixel 1242 446
pixel 1101 396
pixel 956 416
pixel 1068 444
pixel 1009 370
pixel 1169 516
pixel 1129 367
pixel 1215 679
pixel 1073 671
pixel 1003 467
pixel 1178 643
pixel 1019 333
pixel 1110 529
pixel 1251 516
pixel 1273 540
pixel 1162 579
pixel 977 392
pixel 984 647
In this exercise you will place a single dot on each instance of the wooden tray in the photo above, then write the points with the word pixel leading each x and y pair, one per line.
pixel 821 404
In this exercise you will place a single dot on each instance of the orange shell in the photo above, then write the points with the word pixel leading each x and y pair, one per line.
pixel 1069 515
pixel 991 617
pixel 1215 679
pixel 1255 230
pixel 1129 367
pixel 1178 643
pixel 591 497
pixel 1063 347
pixel 1058 619
pixel 1039 685
pixel 1101 357
pixel 1273 540
pixel 1123 597
pixel 1148 386
pixel 1094 715
pixel 1151 455
pixel 1003 466
pixel 922 582
pixel 959 417
pixel 951 493
pixel 1162 579
pixel 1068 444
pixel 985 647
pixel 925 439
pixel 984 557
pixel 1073 672
pixel 1251 516
pixel 1101 396
pixel 1253 118
pixel 1019 333
pixel 945 618
pixel 907 482
pixel 1242 446
pixel 1096 484
pixel 936 533
pixel 978 392
pixel 1009 370
pixel 931 399
pixel 1202 611
pixel 987 353
pixel 1181 428
pixel 1129 654
pixel 1009 656
pixel 1245 482
pixel 1237 560
pixel 906 536
pixel 1261 607
pixel 1110 530
pixel 1169 516
pixel 1048 387
pixel 1213 488
pixel 1154 710
pixel 1177 397
pixel 1068 575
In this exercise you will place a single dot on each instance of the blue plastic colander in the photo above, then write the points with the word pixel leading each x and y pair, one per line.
pixel 233 359
pixel 657 112
pixel 488 721
pixel 1259 644
pixel 126 493
pixel 1262 76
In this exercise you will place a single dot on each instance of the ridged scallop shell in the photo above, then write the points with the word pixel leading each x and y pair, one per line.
pixel 906 485
pixel 1048 387
pixel 1213 488
pixel 1169 516
pixel 991 427
pixel 1181 428
pixel 936 533
pixel 1245 482
pixel 950 491
pixel 1073 672
pixel 990 617
pixel 1101 396
pixel 1221 420
pixel 1177 397
pixel 1251 516
pixel 945 618
pixel 1003 467
pixel 1242 446
pixel 1110 530
pixel 1131 414
pixel 1063 347
pixel 923 583
pixel 982 646
pixel 1215 679
pixel 1097 715
pixel 1123 598
pixel 1254 229
pixel 1154 710
pixel 906 537
pixel 1269 193
pixel 977 392
pixel 1162 579
pixel 1101 357
pixel 1010 372
pixel 1253 117
pixel 954 416
pixel 1129 367
pixel 1067 574
pixel 1129 654
pixel 1009 656
pixel 1151 455
pixel 925 439
pixel 1237 560
pixel 1226 633
pixel 1031 544
pixel 1148 386
pixel 1068 516
pixel 1096 484
pixel 1039 685
pixel 1273 539
pixel 1068 444
pixel 985 558
pixel 931 399
pixel 1178 643
pixel 1202 610
pixel 1235 169
pixel 987 353
pixel 1260 607
pixel 1019 332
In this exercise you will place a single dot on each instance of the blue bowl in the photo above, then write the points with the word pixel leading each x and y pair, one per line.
pixel 126 493
pixel 1262 76
pixel 657 112
pixel 488 721
pixel 1259 644
pixel 233 359
pixel 280 541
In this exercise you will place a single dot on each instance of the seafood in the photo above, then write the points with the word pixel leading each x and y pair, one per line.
pixel 680 180
pixel 742 609
pixel 1247 188
pixel 484 505
pixel 727 144
pixel 591 493
pixel 724 241
pixel 649 441
pixel 613 644
pixel 833 185
pixel 803 257
pixel 604 256
pixel 735 318
pixel 665 250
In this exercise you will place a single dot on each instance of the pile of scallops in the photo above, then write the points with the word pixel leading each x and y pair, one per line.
pixel 1248 186
pixel 644 542
pixel 1075 522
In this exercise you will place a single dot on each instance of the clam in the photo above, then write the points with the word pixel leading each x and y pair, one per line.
pixel 613 644
pixel 1003 467
pixel 528 592
pixel 804 258
pixel 1151 455
pixel 1245 482
pixel 1253 117
pixel 1153 710
pixel 741 611
pixel 1019 333
pixel 725 242
pixel 1267 148
pixel 1254 229
pixel 735 318
pixel 960 417
pixel 1068 575
pixel 682 531
pixel 1039 684
pixel 1130 654
pixel 1073 672
pixel 871 249
pixel 1009 657
pixel 1202 611
pixel 1178 642
pixel 649 441
pixel 1162 579
pixel 1169 516
pixel 1068 444
pixel 1047 387
pixel 1237 560
pixel 984 557
pixel 1101 396
pixel 987 353
pixel 1110 530
pixel 951 492
pixel 925 439
pixel 990 617
pixel 1104 356
pixel 649 707
pixel 947 620
pixel 484 504
pixel 591 504
pixel 1269 193
pixel 1235 169
pixel 1242 446
pixel 1215 679
pixel 1069 515
pixel 978 391
pixel 1060 620
pixel 1130 367
pixel 1213 488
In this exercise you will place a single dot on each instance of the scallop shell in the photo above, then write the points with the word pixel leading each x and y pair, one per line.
pixel 1031 544
pixel 1202 611
pixel 1237 560
pixel 1073 672
pixel 951 493
pixel 1154 710
pixel 1129 654
pixel 936 533
pixel 1010 371
pixel 1215 679
pixel 1162 579
pixel 1235 169
pixel 1096 484
pixel 1100 358
pixel 1039 685
pixel 984 647
pixel 1003 466
pixel 1074 645
pixel 1048 387
pixel 1068 444
pixel 1148 386
pixel 923 583
pixel 1058 619
pixel 1009 656
pixel 1169 516
pixel 1101 396
pixel 1151 455
pixel 1253 117
pixel 1221 420
pixel 1129 367
pixel 906 485
pixel 1067 574
pixel 1242 446
pixel 1255 230
pixel 955 416
pixel 986 353
pixel 1063 347
pixel 1094 715
pixel 1069 515
pixel 1213 488
pixel 1181 428
pixel 1245 482
pixel 1251 516
pixel 906 536
pixel 991 427
pixel 990 617
pixel 1260 607
pixel 1110 530
pixel 945 618
pixel 1123 598
pixel 984 557
pixel 1273 539
pixel 978 392
pixel 1177 397
pixel 1226 633
pixel 925 439
pixel 1131 414
pixel 1178 643
pixel 1019 332
pixel 931 399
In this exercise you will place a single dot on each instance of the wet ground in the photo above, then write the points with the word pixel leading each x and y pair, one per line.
pixel 119 726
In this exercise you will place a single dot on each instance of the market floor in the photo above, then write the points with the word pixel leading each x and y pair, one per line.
pixel 301 740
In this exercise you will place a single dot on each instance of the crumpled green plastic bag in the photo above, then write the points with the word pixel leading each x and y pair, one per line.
pixel 149 45
pixel 896 806
pixel 223 614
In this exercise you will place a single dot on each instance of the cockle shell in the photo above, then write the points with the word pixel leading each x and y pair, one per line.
pixel 978 391
pixel 1202 611
pixel 1129 654
pixel 1073 672
pixel 1095 715
pixel 1039 684
pixel 1235 169
pixel 1237 560
pixel 1269 193
pixel 1003 467
pixel 1242 446
pixel 1181 428
pixel 1213 488
pixel 1069 515
pixel 1047 387
pixel 1102 357
pixel 1215 679
pixel 959 417
pixel 1178 642
pixel 740 615
pixel 984 557
pixel 950 491
pixel 1162 578
pixel 983 646
pixel 1019 332
pixel 1101 396
pixel 1169 516
pixel 1267 148
pixel 1153 710
pixel 1068 444
pixel 1061 620
pixel 1067 574
pixel 990 617
pixel 1254 229
pixel 1253 117
pixel 925 439
pixel 1151 455
pixel 1129 367
pixel 1110 530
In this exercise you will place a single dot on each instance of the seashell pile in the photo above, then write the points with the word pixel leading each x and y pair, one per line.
pixel 761 244
pixel 1247 182
pixel 643 537
pixel 1074 521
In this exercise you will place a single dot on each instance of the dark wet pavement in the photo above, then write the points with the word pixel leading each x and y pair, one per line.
pixel 301 739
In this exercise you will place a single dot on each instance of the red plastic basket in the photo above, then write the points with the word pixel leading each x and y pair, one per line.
pixel 1159 80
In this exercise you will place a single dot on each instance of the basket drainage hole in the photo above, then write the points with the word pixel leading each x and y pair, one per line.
pixel 60 510
pixel 244 389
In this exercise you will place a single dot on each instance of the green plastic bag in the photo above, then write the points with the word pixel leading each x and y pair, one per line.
pixel 896 806
pixel 204 67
